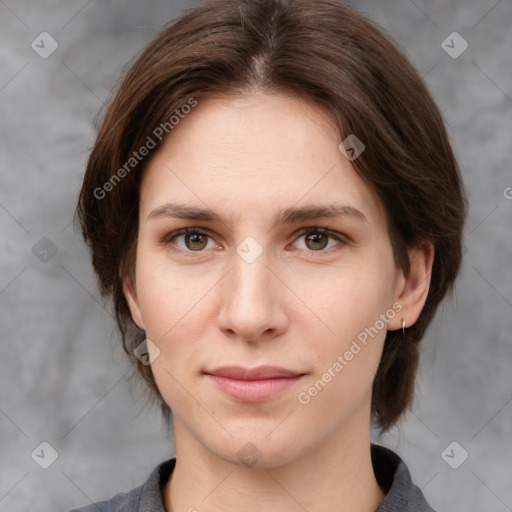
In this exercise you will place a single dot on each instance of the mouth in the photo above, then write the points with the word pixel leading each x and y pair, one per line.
pixel 253 385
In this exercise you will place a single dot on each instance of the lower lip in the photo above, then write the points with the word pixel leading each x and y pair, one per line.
pixel 254 390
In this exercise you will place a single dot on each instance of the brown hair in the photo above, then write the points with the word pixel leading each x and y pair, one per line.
pixel 322 51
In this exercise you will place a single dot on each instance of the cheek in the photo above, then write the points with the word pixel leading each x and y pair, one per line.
pixel 168 295
pixel 171 314
pixel 349 353
pixel 346 365
pixel 355 300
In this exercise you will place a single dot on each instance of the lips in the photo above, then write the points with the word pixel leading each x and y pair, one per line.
pixel 259 373
pixel 253 385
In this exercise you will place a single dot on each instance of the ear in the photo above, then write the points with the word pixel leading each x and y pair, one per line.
pixel 411 290
pixel 130 294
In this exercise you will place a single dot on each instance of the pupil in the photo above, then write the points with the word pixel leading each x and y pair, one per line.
pixel 194 240
pixel 314 239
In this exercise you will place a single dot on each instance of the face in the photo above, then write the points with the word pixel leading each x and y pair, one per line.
pixel 257 285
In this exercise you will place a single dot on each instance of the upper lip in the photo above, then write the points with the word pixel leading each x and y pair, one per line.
pixel 259 373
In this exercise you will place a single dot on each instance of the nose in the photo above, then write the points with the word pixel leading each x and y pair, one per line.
pixel 253 301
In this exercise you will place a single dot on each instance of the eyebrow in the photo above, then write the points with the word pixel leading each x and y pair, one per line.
pixel 286 216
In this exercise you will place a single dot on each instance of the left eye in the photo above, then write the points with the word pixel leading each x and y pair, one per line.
pixel 315 239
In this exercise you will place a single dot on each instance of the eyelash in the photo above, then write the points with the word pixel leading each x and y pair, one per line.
pixel 167 239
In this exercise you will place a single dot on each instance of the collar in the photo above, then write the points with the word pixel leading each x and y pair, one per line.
pixel 390 470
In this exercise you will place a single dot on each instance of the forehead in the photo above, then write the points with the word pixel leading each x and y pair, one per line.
pixel 252 152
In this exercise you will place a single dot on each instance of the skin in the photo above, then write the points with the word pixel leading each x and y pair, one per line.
pixel 297 305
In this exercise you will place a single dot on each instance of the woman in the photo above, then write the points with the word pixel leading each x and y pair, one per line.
pixel 273 204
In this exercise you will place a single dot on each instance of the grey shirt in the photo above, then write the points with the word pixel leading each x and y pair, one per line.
pixel 390 470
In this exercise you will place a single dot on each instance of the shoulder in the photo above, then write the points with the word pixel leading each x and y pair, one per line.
pixel 394 478
pixel 145 497
pixel 122 502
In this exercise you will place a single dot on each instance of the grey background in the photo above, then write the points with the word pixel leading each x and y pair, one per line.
pixel 63 376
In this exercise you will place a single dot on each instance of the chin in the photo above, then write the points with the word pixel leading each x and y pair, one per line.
pixel 257 452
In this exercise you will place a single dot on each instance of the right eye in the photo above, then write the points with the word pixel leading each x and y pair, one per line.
pixel 193 239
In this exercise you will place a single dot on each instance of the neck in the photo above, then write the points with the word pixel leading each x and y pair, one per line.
pixel 335 475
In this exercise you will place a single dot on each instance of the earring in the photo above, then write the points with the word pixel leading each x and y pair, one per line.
pixel 403 327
